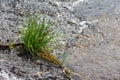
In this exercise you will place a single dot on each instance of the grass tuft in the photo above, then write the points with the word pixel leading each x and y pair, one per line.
pixel 36 36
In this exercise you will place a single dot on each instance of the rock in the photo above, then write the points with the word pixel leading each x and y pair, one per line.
pixel 79 26
pixel 56 4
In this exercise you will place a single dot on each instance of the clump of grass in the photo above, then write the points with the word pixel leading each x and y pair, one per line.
pixel 36 38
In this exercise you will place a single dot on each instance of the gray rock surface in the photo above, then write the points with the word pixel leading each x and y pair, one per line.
pixel 89 37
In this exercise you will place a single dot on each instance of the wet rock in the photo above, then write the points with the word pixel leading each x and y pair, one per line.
pixel 95 8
